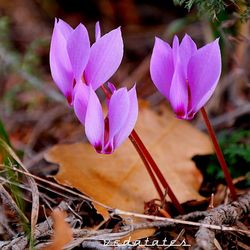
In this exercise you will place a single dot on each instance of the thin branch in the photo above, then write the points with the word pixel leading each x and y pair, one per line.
pixel 178 221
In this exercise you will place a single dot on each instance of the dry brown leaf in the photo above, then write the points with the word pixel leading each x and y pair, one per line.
pixel 120 180
pixel 62 231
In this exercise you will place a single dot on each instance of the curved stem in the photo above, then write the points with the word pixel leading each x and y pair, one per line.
pixel 157 171
pixel 106 92
pixel 219 154
pixel 150 172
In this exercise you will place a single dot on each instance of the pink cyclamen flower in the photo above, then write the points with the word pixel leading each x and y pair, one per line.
pixel 106 134
pixel 72 59
pixel 185 75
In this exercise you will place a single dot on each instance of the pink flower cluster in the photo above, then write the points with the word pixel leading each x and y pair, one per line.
pixel 185 75
pixel 79 69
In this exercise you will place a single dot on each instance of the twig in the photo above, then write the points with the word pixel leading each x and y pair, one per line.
pixel 178 221
pixel 95 245
pixel 228 214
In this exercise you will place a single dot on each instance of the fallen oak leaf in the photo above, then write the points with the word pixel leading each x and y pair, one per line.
pixel 120 180
pixel 62 231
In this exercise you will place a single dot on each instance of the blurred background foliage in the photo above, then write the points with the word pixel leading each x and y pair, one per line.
pixel 35 114
pixel 213 8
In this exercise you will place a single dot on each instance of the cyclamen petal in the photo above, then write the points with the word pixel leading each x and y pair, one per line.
pixel 81 98
pixel 187 49
pixel 97 31
pixel 60 65
pixel 123 112
pixel 175 50
pixel 194 76
pixel 178 95
pixel 204 76
pixel 111 87
pixel 64 28
pixel 130 119
pixel 78 48
pixel 161 66
pixel 105 57
pixel 118 111
pixel 94 121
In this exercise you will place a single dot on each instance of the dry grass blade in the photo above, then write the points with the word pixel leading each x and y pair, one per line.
pixel 63 188
pixel 32 183
pixel 7 199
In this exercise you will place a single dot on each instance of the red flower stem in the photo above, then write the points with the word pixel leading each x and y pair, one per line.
pixel 150 165
pixel 106 92
pixel 219 154
pixel 145 153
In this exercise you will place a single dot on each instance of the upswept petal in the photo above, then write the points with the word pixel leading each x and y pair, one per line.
pixel 204 71
pixel 81 97
pixel 78 47
pixel 118 111
pixel 186 50
pixel 130 119
pixel 105 57
pixel 60 65
pixel 64 28
pixel 175 50
pixel 178 95
pixel 94 121
pixel 97 31
pixel 161 66
pixel 111 87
